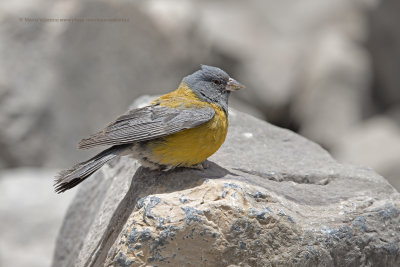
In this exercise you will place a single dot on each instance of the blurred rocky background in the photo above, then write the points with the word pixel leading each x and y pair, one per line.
pixel 325 69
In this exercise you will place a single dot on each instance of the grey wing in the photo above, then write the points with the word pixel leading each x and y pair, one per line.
pixel 148 123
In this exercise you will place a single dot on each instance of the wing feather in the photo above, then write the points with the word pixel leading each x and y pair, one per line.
pixel 148 123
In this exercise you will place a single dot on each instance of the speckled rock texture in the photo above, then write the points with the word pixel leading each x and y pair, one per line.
pixel 268 198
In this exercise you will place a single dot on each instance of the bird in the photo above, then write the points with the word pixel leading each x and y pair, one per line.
pixel 179 129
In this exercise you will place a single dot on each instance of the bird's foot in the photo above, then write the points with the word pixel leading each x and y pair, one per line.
pixel 201 166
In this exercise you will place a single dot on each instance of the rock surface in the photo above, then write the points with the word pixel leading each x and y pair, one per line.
pixel 268 197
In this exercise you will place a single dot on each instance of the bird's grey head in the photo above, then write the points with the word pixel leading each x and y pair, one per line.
pixel 212 85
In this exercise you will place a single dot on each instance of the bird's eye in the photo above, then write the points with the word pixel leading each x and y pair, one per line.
pixel 216 82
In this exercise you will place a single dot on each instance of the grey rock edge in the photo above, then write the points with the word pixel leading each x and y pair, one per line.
pixel 269 197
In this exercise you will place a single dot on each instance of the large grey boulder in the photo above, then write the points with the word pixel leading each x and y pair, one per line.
pixel 269 197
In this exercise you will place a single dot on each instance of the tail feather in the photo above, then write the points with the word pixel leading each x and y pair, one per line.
pixel 69 178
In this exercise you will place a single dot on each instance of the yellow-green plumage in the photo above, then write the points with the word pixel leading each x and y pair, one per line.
pixel 192 146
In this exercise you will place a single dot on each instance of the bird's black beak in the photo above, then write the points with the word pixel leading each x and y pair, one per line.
pixel 234 85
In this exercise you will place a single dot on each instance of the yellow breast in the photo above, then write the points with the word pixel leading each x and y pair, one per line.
pixel 192 146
